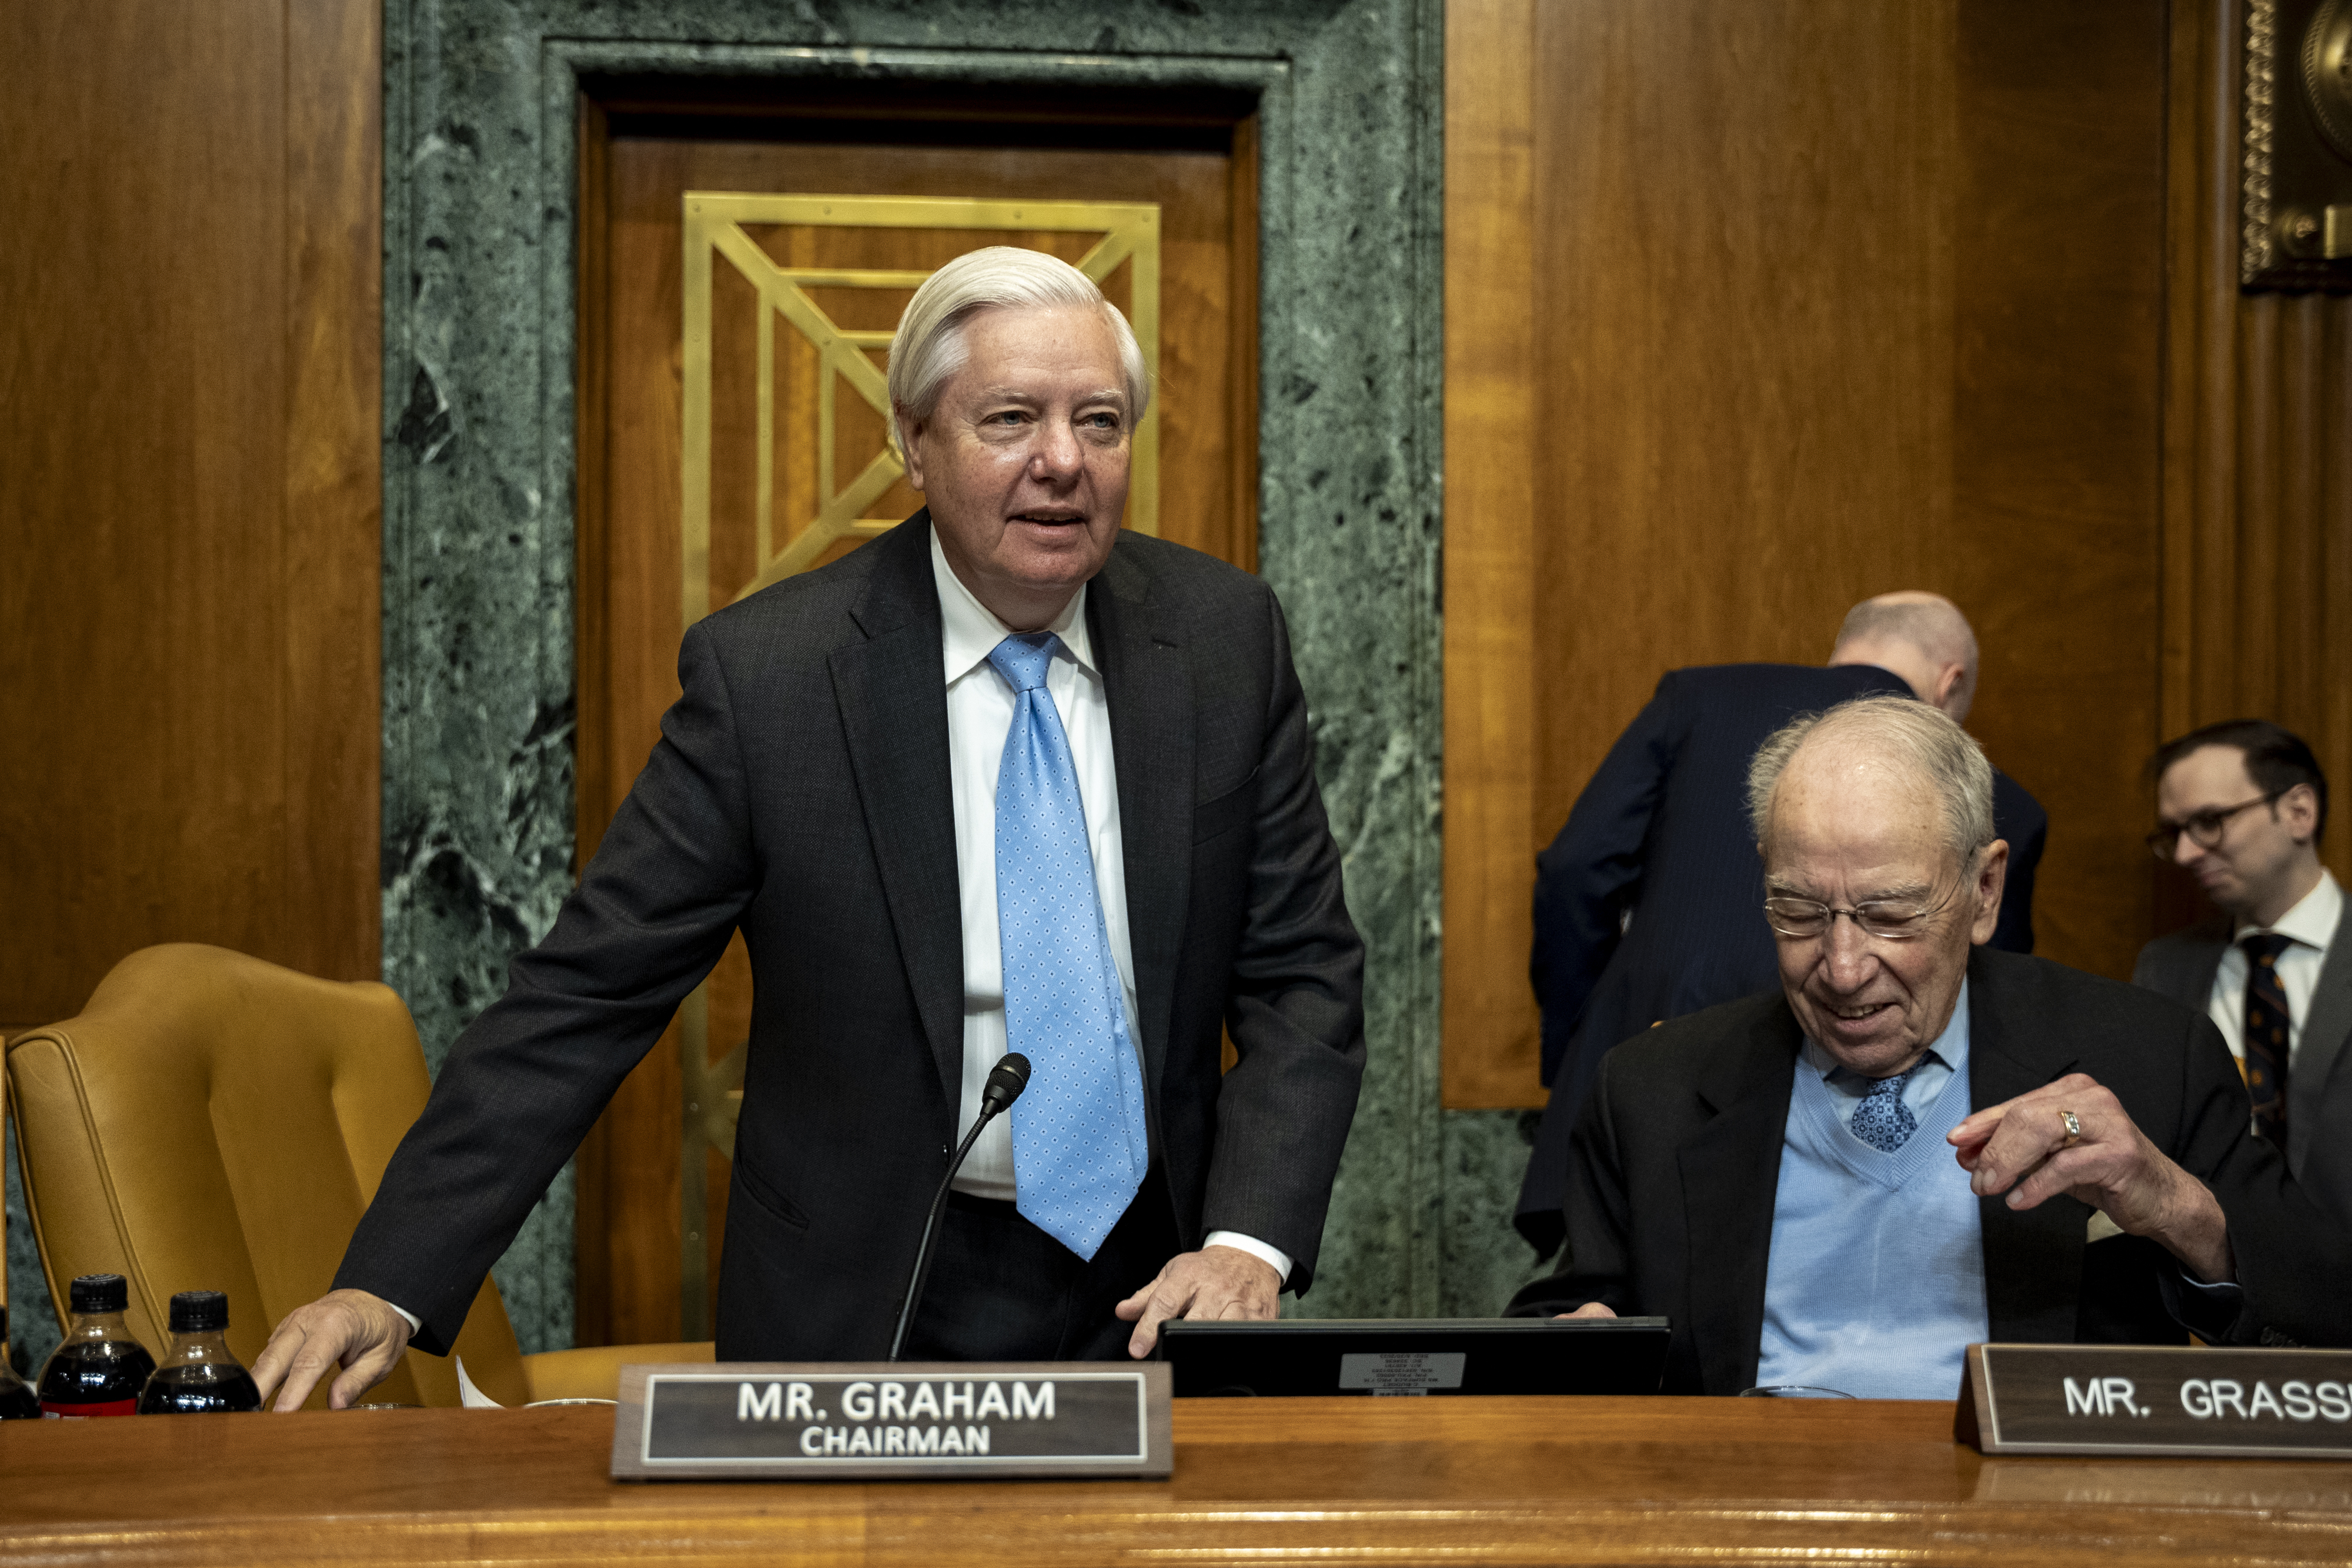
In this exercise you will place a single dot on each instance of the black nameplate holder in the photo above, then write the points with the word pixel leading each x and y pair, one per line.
pixel 2157 1400
pixel 875 1420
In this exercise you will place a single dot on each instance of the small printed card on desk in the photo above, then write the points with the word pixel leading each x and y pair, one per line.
pixel 2156 1399
pixel 865 1421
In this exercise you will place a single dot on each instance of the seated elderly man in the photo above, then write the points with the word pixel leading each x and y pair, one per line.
pixel 1778 1175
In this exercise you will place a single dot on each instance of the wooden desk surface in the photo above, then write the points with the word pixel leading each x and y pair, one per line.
pixel 1262 1481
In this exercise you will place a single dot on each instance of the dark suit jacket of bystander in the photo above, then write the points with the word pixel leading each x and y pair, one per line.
pixel 2319 1082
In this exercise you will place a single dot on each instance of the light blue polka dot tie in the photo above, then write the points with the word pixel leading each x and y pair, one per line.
pixel 1080 1148
pixel 1882 1120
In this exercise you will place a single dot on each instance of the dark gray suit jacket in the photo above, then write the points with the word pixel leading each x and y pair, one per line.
pixel 800 793
pixel 2319 1087
pixel 1676 1157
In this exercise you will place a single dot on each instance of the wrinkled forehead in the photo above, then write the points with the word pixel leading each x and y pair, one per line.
pixel 1846 812
pixel 2208 777
pixel 1065 334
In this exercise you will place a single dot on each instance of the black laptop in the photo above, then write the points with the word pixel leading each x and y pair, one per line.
pixel 1298 1356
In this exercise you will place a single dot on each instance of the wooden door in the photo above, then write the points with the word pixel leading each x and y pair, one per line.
pixel 636 459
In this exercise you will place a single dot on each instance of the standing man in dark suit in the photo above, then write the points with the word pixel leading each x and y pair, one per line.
pixel 1924 639
pixel 1645 901
pixel 2241 805
pixel 1006 777
pixel 1778 1175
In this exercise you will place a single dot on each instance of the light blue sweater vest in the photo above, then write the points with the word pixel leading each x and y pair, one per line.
pixel 1876 1284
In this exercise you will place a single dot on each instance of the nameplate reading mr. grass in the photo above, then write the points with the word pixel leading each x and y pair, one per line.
pixel 2156 1399
pixel 836 1420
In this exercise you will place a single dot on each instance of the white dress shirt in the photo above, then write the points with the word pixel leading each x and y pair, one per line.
pixel 2312 924
pixel 980 712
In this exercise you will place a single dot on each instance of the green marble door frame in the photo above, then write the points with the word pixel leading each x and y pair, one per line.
pixel 482 116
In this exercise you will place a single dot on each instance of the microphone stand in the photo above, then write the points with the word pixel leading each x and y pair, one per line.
pixel 1005 1082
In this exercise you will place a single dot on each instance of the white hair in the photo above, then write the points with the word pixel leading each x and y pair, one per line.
pixel 930 345
pixel 1915 733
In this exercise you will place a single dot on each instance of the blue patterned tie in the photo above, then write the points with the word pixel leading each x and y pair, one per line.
pixel 1080 1148
pixel 1882 1120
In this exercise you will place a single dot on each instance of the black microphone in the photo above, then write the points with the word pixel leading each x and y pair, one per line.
pixel 1006 1080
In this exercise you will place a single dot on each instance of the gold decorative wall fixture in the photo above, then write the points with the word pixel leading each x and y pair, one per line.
pixel 718 226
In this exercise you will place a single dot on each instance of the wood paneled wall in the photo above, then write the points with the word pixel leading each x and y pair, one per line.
pixel 1492 825
pixel 2258 452
pixel 1757 308
pixel 190 331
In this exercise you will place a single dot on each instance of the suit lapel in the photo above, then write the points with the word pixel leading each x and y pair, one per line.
pixel 1730 1172
pixel 2200 989
pixel 2182 966
pixel 1147 681
pixel 2322 1044
pixel 2033 1260
pixel 892 693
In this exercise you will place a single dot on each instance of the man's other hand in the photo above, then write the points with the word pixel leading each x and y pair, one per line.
pixel 1590 1310
pixel 2022 1147
pixel 363 1334
pixel 1214 1283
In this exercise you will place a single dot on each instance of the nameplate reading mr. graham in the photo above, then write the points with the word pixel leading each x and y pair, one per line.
pixel 929 1421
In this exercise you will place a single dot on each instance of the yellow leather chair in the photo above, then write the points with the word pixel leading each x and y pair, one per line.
pixel 212 1121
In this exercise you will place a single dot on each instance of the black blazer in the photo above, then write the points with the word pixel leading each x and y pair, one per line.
pixel 1662 830
pixel 1676 1158
pixel 2319 1088
pixel 800 793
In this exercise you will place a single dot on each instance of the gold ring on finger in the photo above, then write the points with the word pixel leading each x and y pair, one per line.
pixel 2073 1127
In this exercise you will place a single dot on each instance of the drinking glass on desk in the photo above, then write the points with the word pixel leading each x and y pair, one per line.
pixel 1793 1390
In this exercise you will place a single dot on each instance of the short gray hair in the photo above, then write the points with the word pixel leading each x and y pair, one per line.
pixel 929 346
pixel 1926 738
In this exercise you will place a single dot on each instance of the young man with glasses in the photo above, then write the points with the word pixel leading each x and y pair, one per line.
pixel 1918 1143
pixel 2241 806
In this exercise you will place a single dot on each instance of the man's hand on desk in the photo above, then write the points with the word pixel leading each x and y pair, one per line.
pixel 1590 1310
pixel 2022 1147
pixel 363 1333
pixel 1214 1283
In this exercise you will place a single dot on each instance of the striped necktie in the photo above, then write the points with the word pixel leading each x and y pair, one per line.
pixel 2268 1031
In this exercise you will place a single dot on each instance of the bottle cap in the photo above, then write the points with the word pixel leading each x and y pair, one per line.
pixel 100 1293
pixel 199 1311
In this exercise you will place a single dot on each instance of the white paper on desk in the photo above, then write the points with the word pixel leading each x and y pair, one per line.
pixel 471 1397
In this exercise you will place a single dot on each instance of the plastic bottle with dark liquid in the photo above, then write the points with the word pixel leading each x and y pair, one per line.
pixel 18 1400
pixel 99 1368
pixel 198 1371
